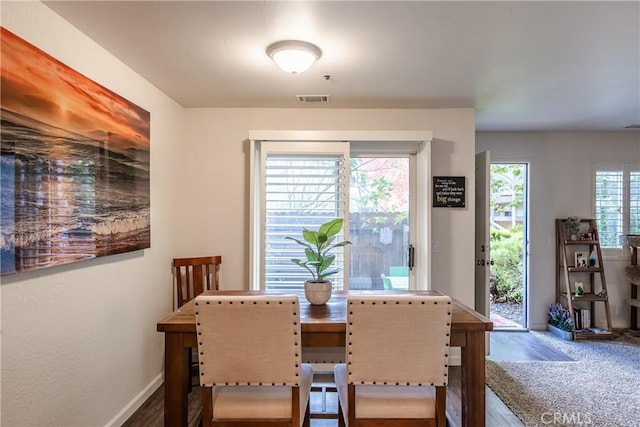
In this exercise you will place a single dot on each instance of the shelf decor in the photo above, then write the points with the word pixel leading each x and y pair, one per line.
pixel 74 164
pixel 573 226
pixel 580 259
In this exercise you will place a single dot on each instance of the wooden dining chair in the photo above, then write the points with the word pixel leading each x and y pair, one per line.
pixel 397 361
pixel 192 276
pixel 249 348
pixel 195 275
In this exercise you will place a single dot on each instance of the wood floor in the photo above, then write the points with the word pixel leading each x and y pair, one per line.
pixel 508 345
pixel 521 347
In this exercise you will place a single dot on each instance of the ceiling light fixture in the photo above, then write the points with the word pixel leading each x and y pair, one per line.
pixel 294 56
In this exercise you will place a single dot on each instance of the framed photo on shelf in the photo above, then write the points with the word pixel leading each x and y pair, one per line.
pixel 581 259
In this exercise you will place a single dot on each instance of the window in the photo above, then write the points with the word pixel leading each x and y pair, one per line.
pixel 380 212
pixel 301 190
pixel 616 201
pixel 304 183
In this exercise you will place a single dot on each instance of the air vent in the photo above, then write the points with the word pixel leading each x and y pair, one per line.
pixel 636 126
pixel 312 98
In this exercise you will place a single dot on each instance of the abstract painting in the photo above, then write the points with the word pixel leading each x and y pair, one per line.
pixel 74 164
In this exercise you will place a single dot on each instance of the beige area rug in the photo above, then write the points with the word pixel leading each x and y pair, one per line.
pixel 600 388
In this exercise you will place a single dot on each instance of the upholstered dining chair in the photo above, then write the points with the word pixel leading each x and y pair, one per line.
pixel 397 361
pixel 195 275
pixel 249 350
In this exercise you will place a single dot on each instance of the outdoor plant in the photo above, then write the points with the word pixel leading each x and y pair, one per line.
pixel 560 317
pixel 317 247
pixel 507 254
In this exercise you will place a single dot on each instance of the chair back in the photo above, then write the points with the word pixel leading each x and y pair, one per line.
pixel 248 340
pixel 195 275
pixel 398 339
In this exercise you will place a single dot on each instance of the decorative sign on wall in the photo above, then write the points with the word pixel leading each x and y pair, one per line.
pixel 449 191
pixel 74 164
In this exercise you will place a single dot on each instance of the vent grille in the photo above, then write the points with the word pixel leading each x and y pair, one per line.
pixel 634 126
pixel 312 98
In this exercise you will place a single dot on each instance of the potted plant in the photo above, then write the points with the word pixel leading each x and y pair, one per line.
pixel 317 247
pixel 573 226
pixel 560 322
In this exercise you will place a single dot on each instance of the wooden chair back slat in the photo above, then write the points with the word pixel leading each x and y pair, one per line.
pixel 195 275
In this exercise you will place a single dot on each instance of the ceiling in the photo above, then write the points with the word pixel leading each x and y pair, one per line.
pixel 524 66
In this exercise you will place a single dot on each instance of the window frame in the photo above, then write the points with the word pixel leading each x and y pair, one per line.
pixel 300 148
pixel 626 168
pixel 376 141
pixel 408 152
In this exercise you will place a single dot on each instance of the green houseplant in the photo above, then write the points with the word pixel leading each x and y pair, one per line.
pixel 318 245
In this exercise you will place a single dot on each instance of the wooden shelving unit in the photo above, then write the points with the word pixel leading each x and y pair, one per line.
pixel 633 274
pixel 582 307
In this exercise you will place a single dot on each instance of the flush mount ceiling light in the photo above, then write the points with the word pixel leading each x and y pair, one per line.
pixel 294 56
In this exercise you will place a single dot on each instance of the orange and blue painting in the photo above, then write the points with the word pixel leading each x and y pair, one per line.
pixel 74 164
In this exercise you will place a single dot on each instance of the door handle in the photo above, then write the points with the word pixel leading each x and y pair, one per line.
pixel 411 260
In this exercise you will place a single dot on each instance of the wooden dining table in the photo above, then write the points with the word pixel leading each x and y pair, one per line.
pixel 325 326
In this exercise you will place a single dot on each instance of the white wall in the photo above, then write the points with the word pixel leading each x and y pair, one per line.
pixel 219 136
pixel 79 341
pixel 560 186
pixel 79 345
pixel 82 337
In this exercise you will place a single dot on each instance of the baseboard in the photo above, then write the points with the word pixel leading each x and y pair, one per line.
pixel 131 407
pixel 538 327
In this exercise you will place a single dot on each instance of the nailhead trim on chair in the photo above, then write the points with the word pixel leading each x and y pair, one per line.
pixel 446 355
pixel 297 365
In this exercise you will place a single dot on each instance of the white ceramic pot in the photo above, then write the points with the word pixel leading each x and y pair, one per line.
pixel 317 293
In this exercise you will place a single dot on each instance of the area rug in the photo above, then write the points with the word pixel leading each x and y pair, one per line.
pixel 600 388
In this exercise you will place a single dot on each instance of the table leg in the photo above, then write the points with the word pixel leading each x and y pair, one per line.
pixel 176 366
pixel 473 380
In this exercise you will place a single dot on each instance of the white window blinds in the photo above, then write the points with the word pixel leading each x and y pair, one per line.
pixel 609 206
pixel 634 203
pixel 300 191
pixel 616 202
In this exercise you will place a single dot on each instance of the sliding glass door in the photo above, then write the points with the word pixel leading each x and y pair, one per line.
pixel 380 222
